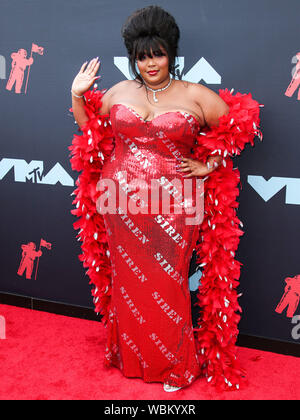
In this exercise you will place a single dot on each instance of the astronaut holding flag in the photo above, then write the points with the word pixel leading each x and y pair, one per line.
pixel 18 67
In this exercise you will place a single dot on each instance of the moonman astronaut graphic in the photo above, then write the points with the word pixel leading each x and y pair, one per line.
pixel 290 297
pixel 295 83
pixel 28 256
pixel 18 67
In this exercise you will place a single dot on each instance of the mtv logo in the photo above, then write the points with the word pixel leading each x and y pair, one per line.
pixel 194 281
pixel 202 70
pixel 269 188
pixel 33 172
pixel 2 67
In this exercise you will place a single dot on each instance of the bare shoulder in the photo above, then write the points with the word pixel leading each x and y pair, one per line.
pixel 212 105
pixel 108 97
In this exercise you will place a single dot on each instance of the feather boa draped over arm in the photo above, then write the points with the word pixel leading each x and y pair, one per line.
pixel 219 232
pixel 219 237
pixel 89 151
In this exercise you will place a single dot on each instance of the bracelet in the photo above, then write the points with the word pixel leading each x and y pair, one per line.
pixel 76 96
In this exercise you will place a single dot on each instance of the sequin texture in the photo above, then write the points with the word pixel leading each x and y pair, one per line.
pixel 150 332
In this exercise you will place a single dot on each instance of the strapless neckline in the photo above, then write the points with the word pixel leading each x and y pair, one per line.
pixel 184 113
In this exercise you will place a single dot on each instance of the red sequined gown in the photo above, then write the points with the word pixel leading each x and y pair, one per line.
pixel 141 292
pixel 150 333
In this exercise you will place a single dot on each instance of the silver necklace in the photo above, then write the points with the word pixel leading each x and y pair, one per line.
pixel 158 90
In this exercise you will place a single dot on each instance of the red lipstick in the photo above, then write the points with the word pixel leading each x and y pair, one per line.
pixel 153 73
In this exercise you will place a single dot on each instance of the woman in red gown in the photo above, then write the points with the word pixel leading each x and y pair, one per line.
pixel 139 136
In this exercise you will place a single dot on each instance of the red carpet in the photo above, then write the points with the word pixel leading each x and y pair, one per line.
pixel 54 357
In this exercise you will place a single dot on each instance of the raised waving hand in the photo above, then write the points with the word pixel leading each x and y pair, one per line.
pixel 86 77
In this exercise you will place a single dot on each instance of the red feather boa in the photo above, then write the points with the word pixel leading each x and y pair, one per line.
pixel 219 233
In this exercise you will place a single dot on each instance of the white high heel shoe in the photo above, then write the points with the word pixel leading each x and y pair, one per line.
pixel 169 388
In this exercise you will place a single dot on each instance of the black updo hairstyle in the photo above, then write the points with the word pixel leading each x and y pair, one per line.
pixel 148 29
